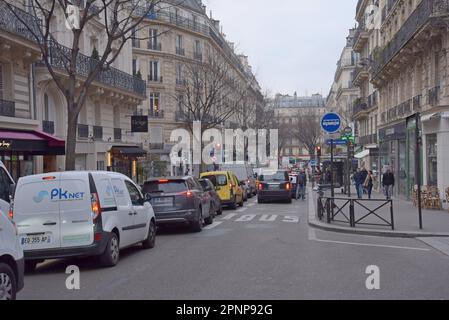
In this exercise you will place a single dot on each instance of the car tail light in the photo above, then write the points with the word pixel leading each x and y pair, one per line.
pixel 288 186
pixel 189 194
pixel 231 186
pixel 96 208
pixel 260 186
pixel 11 210
pixel 163 181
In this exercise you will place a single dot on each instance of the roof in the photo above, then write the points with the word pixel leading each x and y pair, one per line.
pixel 195 5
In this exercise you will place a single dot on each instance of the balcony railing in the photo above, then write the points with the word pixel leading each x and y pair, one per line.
pixel 7 108
pixel 434 96
pixel 360 105
pixel 360 72
pixel 10 22
pixel 155 78
pixel 135 43
pixel 48 127
pixel 59 57
pixel 117 134
pixel 417 102
pixel 422 14
pixel 83 131
pixel 156 46
pixel 198 56
pixel 180 51
pixel 98 133
pixel 360 31
pixel 156 114
pixel 373 99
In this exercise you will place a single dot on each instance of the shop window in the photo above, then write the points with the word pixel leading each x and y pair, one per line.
pixel 432 164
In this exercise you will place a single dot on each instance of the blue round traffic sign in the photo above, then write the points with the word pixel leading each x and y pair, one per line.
pixel 331 123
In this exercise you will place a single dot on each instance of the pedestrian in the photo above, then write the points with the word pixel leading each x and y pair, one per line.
pixel 328 176
pixel 369 182
pixel 358 180
pixel 364 174
pixel 301 184
pixel 388 183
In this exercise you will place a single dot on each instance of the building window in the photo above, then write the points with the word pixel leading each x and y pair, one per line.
pixel 432 164
pixel 153 42
pixel 179 45
pixel 154 74
pixel 179 73
pixel 134 66
pixel 155 99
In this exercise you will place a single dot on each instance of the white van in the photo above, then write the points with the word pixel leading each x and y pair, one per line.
pixel 78 214
pixel 11 260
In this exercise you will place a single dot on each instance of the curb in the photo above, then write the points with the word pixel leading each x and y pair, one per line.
pixel 313 222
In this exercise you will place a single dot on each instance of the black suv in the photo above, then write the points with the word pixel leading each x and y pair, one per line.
pixel 274 186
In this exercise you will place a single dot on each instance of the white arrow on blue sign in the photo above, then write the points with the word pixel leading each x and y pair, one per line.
pixel 331 123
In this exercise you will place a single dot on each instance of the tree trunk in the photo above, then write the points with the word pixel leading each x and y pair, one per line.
pixel 70 155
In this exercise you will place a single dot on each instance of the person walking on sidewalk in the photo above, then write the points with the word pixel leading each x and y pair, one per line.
pixel 301 184
pixel 388 183
pixel 369 182
pixel 358 180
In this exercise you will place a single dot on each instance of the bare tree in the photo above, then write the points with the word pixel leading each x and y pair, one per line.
pixel 211 94
pixel 308 131
pixel 120 19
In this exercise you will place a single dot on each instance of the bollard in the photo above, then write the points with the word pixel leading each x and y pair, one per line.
pixel 351 214
pixel 328 210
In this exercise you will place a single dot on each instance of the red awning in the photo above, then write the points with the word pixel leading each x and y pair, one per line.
pixel 32 142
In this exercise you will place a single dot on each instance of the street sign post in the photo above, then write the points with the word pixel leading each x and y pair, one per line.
pixel 331 124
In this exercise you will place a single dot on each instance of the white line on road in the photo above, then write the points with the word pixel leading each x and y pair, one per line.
pixel 213 225
pixel 242 210
pixel 229 216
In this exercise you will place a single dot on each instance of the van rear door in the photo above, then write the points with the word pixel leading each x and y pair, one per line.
pixel 36 212
pixel 77 227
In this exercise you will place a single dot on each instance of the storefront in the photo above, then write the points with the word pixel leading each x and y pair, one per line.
pixel 435 138
pixel 125 160
pixel 392 154
pixel 18 149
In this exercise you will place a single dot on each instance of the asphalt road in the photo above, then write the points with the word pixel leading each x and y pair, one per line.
pixel 264 251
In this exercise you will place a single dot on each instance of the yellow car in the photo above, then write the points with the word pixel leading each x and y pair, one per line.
pixel 227 186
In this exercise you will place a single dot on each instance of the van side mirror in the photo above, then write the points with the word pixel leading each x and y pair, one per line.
pixel 12 190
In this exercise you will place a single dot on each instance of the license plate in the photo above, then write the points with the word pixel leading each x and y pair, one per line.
pixel 274 187
pixel 35 239
pixel 163 202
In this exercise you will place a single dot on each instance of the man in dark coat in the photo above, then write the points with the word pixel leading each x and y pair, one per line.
pixel 388 183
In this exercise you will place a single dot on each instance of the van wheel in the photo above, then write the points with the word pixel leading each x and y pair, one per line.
pixel 233 205
pixel 197 225
pixel 150 242
pixel 111 255
pixel 241 203
pixel 8 284
pixel 30 266
pixel 220 210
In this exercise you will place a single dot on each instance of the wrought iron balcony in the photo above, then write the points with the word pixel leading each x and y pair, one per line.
pixel 155 46
pixel 48 127
pixel 417 102
pixel 373 99
pixel 83 131
pixel 359 106
pixel 425 12
pixel 180 51
pixel 7 108
pixel 433 96
pixel 155 78
pixel 198 56
pixel 10 22
pixel 98 133
pixel 156 114
pixel 59 57
pixel 360 37
pixel 117 134
pixel 361 73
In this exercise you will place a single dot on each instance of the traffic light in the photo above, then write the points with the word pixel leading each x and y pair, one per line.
pixel 318 151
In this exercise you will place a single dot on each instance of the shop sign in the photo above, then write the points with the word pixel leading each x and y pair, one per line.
pixel 139 124
pixel 5 144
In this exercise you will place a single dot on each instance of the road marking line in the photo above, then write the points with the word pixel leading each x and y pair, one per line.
pixel 371 245
pixel 246 218
pixel 251 205
pixel 242 210
pixel 268 218
pixel 213 225
pixel 229 216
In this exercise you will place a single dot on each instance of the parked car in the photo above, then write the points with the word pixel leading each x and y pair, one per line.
pixel 275 186
pixel 245 174
pixel 11 260
pixel 209 187
pixel 227 186
pixel 80 214
pixel 180 200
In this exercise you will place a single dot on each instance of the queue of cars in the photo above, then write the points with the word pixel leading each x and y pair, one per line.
pixel 97 214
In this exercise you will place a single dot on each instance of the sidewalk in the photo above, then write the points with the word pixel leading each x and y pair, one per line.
pixel 406 219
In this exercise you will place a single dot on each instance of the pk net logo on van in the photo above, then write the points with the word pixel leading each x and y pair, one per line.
pixel 59 194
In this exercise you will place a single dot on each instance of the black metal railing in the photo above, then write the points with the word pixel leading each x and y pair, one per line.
pixel 98 132
pixel 156 114
pixel 359 71
pixel 12 22
pixel 156 46
pixel 7 108
pixel 59 57
pixel 434 96
pixel 361 29
pixel 360 105
pixel 373 99
pixel 419 17
pixel 368 212
pixel 417 102
pixel 198 56
pixel 48 126
pixel 180 51
pixel 117 134
pixel 83 131
pixel 155 78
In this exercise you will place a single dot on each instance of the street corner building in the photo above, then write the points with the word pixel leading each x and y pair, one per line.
pixel 33 112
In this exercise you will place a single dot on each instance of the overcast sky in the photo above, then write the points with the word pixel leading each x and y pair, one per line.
pixel 293 45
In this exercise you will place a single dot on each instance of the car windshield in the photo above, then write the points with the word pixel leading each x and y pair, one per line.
pixel 274 176
pixel 164 186
pixel 218 180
